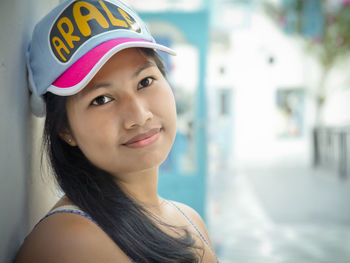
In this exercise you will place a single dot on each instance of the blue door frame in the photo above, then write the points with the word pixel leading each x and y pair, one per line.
pixel 175 184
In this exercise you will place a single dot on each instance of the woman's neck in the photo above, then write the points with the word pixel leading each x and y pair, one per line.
pixel 142 186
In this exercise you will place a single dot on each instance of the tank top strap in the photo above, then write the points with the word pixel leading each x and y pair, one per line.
pixel 68 209
pixel 192 224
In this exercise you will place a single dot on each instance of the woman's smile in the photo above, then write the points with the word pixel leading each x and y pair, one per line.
pixel 143 139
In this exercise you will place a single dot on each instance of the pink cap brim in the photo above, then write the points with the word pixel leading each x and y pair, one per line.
pixel 78 75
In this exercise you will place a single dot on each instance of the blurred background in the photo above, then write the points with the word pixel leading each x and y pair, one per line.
pixel 262 90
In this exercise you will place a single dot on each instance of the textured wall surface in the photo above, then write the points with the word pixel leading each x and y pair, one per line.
pixel 19 131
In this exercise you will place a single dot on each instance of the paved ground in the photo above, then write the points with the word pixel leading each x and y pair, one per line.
pixel 282 213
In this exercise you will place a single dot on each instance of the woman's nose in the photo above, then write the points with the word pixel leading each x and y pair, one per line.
pixel 136 113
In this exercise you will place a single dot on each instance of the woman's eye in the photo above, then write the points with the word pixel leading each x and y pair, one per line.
pixel 145 82
pixel 100 100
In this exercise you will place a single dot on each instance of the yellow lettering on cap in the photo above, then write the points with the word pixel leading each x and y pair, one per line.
pixel 126 16
pixel 82 20
pixel 59 45
pixel 114 21
pixel 67 35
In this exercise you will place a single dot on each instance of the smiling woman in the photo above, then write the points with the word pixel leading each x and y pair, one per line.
pixel 110 123
pixel 130 116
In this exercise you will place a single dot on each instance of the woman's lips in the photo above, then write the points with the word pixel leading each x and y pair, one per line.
pixel 143 139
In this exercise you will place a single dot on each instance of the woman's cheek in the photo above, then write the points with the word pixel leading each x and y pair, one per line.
pixel 166 102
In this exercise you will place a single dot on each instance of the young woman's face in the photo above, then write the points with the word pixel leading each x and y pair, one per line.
pixel 124 120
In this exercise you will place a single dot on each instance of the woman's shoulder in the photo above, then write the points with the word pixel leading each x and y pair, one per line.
pixel 188 211
pixel 68 237
pixel 199 226
pixel 193 216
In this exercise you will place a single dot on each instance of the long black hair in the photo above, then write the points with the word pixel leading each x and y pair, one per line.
pixel 93 190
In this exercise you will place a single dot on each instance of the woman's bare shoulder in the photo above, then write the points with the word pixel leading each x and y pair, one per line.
pixel 193 215
pixel 67 237
pixel 190 212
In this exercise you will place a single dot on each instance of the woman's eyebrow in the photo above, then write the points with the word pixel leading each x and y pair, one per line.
pixel 148 64
pixel 94 86
pixel 101 85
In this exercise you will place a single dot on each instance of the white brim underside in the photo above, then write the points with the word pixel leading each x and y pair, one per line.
pixel 78 87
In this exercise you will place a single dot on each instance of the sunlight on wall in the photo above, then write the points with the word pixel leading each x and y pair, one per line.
pixel 263 60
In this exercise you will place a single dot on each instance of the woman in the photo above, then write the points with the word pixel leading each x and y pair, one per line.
pixel 110 122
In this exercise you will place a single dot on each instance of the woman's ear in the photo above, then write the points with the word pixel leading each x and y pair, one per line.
pixel 67 136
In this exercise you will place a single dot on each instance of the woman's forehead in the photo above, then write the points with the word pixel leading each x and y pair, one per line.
pixel 126 64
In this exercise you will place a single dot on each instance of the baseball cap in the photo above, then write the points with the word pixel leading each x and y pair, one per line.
pixel 73 41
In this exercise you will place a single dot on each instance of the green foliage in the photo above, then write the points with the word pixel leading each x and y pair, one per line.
pixel 334 42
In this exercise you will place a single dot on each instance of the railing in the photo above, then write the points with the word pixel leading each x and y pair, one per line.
pixel 331 149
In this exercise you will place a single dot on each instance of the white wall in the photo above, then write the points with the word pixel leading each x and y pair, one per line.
pixel 255 82
pixel 337 107
pixel 18 129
